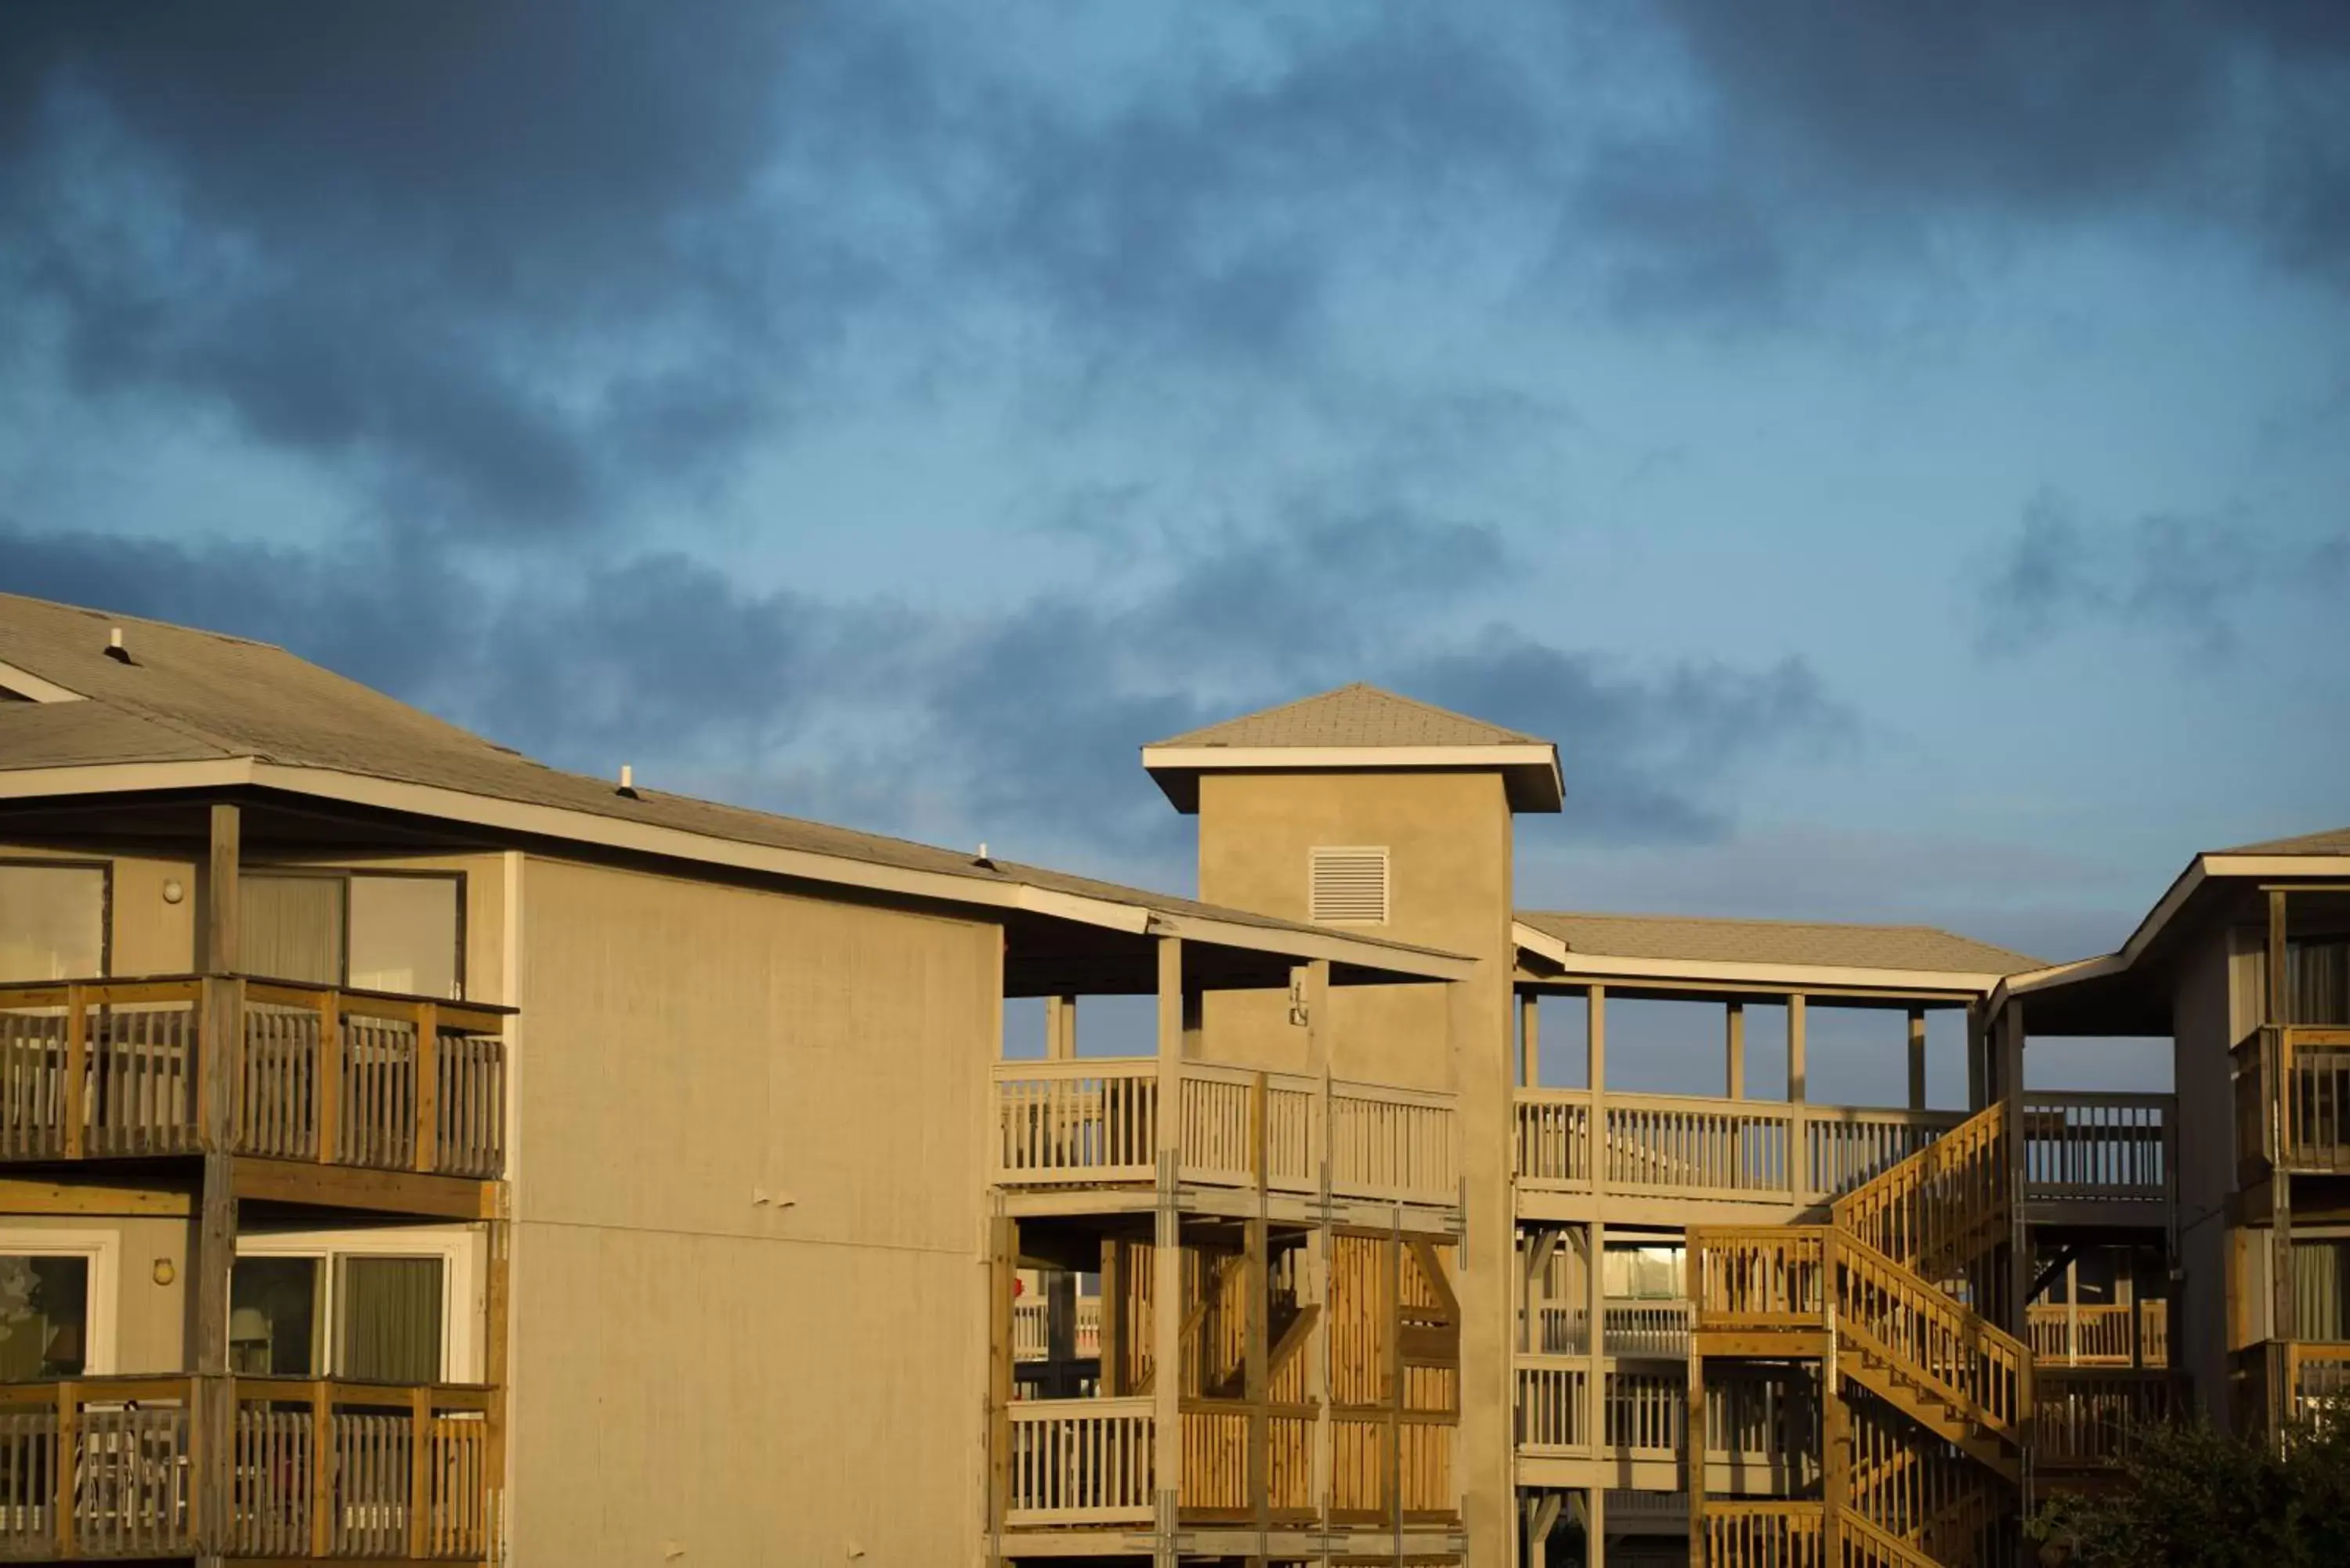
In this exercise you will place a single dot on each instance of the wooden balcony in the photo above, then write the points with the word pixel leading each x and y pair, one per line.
pixel 1754 1433
pixel 1098 1123
pixel 121 1468
pixel 101 1068
pixel 1096 1462
pixel 2099 1336
pixel 2085 1417
pixel 2304 1073
pixel 1640 1328
pixel 2077 1146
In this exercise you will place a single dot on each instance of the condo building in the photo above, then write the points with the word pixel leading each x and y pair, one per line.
pixel 410 1151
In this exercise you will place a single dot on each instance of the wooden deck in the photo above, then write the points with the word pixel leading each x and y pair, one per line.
pixel 2304 1072
pixel 2104 1148
pixel 97 1069
pixel 121 1469
pixel 1096 1122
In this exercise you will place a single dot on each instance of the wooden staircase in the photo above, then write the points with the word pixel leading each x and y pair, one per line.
pixel 1925 1403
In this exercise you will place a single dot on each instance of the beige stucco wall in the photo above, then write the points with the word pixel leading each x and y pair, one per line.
pixel 749 1315
pixel 1449 841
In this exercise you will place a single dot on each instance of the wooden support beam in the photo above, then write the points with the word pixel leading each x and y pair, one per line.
pixel 309 1184
pixel 1166 1255
pixel 1003 1258
pixel 1693 1455
pixel 223 951
pixel 2011 1039
pixel 1530 1040
pixel 1594 1309
pixel 1255 1373
pixel 1798 1067
pixel 1595 1049
pixel 1734 1050
pixel 211 1259
pixel 91 1198
pixel 1917 1058
pixel 1978 1055
pixel 1060 1028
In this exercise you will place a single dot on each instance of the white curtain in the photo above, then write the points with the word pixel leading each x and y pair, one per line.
pixel 404 934
pixel 293 927
pixel 52 922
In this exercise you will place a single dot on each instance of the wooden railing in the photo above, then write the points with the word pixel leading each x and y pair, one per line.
pixel 2090 1417
pixel 1789 1276
pixel 1031 1324
pixel 1974 1364
pixel 2099 1335
pixel 1080 1461
pixel 1634 1328
pixel 112 1467
pixel 1387 1466
pixel 1940 1208
pixel 2314 1119
pixel 1096 1122
pixel 2109 1147
pixel 92 1068
pixel 1772 1535
pixel 1553 1404
pixel 1721 1149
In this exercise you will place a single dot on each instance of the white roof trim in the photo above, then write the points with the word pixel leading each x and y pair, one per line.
pixel 678 843
pixel 1794 976
pixel 24 683
pixel 1227 759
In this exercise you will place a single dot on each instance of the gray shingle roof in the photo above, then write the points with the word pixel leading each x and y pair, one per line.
pixel 2334 841
pixel 1694 940
pixel 192 695
pixel 1356 715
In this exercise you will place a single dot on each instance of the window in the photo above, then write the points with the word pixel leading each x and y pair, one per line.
pixel 44 1317
pixel 2321 1307
pixel 1642 1272
pixel 400 933
pixel 385 1306
pixel 56 1303
pixel 1347 885
pixel 52 921
pixel 2317 980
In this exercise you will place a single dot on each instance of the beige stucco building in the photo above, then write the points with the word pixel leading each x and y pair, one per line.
pixel 411 1151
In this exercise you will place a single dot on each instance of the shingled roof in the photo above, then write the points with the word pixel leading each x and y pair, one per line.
pixel 1684 939
pixel 2336 841
pixel 183 695
pixel 1357 726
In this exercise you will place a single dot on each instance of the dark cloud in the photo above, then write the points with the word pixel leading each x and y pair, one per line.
pixel 2187 580
pixel 1033 712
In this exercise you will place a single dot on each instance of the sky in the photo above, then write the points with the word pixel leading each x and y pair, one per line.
pixel 1900 454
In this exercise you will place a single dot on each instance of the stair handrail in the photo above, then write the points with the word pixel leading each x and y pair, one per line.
pixel 1999 1395
pixel 1865 1543
pixel 1896 1211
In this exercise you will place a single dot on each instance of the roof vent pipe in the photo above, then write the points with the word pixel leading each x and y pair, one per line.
pixel 628 782
pixel 114 648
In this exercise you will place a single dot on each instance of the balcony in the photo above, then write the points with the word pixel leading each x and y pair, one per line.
pixel 2087 1417
pixel 2313 1375
pixel 2099 1335
pixel 2306 1071
pixel 1094 1462
pixel 118 1468
pixel 1755 1433
pixel 2100 1147
pixel 1098 1123
pixel 103 1069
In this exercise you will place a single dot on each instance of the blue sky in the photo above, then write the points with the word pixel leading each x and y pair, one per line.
pixel 1900 454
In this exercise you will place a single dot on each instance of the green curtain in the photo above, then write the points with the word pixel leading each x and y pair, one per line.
pixel 392 1319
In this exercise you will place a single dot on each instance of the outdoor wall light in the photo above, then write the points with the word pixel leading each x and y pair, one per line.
pixel 164 1273
pixel 173 891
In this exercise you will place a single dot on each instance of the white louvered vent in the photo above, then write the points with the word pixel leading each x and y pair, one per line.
pixel 1348 884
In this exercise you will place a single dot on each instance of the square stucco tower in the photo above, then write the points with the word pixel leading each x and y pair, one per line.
pixel 1363 809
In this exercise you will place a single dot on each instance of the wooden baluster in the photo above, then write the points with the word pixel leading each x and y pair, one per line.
pixel 329 1079
pixel 428 1084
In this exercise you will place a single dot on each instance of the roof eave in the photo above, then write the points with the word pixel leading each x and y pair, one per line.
pixel 1573 963
pixel 1530 772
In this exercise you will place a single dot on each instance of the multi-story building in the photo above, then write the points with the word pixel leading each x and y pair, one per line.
pixel 411 1151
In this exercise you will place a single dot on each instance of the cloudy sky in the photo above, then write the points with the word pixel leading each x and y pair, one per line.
pixel 1900 454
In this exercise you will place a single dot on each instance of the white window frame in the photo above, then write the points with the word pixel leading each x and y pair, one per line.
pixel 459 1253
pixel 102 1303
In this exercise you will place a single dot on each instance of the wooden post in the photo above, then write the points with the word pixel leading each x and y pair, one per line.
pixel 1112 1331
pixel 330 1076
pixel 496 1363
pixel 213 1222
pixel 1595 1306
pixel 61 1505
pixel 1317 1367
pixel 1978 1048
pixel 1003 1266
pixel 1835 1459
pixel 1530 1040
pixel 2072 1313
pixel 2282 1324
pixel 1799 1071
pixel 419 1472
pixel 428 1084
pixel 76 1110
pixel 2011 1093
pixel 1254 1382
pixel 322 1470
pixel 1734 1042
pixel 223 951
pixel 1060 1330
pixel 1595 1526
pixel 1166 1256
pixel 1917 1058
pixel 1595 1064
pixel 1060 1028
pixel 1693 1455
